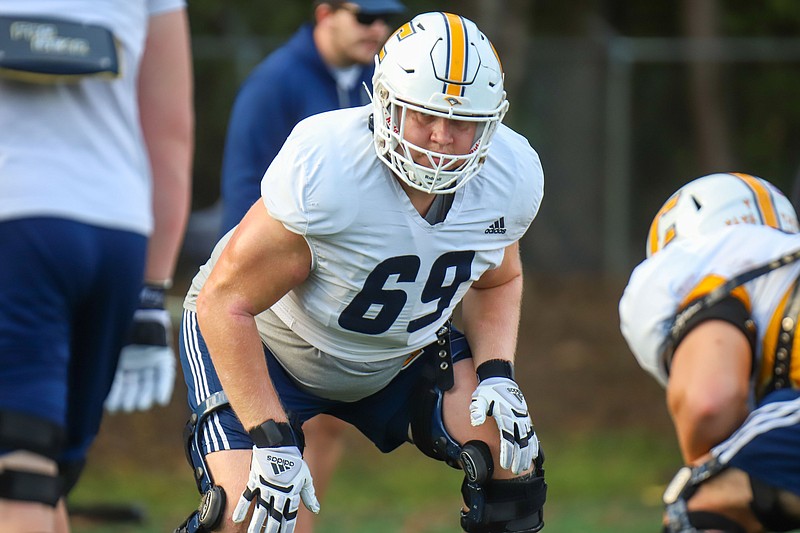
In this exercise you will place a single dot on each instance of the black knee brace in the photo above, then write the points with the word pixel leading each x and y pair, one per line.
pixel 212 504
pixel 500 506
pixel 22 431
pixel 427 423
pixel 427 426
pixel 494 506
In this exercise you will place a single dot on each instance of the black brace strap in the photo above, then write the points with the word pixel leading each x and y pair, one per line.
pixel 30 487
pixel 191 438
pixel 729 309
pixel 21 431
pixel 444 359
pixel 504 505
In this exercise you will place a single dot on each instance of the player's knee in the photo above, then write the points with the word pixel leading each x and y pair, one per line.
pixel 28 471
pixel 492 505
pixel 500 505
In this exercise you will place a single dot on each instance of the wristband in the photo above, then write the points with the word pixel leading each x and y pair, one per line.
pixel 495 368
pixel 165 284
pixel 151 297
pixel 271 434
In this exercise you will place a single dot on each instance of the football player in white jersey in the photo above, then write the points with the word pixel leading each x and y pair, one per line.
pixel 335 292
pixel 96 145
pixel 711 315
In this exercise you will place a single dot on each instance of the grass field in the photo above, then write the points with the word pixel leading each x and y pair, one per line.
pixel 599 483
pixel 587 394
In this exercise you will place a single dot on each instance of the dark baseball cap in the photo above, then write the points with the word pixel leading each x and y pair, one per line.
pixel 379 6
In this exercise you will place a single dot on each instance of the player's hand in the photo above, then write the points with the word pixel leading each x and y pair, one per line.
pixel 146 369
pixel 501 398
pixel 279 479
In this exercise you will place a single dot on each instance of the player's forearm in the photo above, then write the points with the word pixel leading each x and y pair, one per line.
pixel 697 434
pixel 237 352
pixel 708 388
pixel 491 320
pixel 171 212
pixel 166 113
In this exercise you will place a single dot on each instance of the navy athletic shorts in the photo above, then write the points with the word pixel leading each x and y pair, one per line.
pixel 68 292
pixel 767 445
pixel 382 417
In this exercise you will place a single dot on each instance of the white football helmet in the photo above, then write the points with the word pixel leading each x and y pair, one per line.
pixel 438 64
pixel 711 202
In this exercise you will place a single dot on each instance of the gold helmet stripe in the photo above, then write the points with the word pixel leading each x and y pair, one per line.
pixel 456 54
pixel 764 201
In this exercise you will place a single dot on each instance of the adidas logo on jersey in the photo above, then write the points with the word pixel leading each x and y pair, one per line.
pixel 498 226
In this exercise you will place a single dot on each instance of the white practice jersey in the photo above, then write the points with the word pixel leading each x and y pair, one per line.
pixel 663 285
pixel 75 150
pixel 383 279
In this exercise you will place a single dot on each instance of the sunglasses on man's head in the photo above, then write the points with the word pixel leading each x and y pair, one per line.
pixel 368 19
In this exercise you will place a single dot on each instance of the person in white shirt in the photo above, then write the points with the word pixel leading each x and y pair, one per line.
pixel 96 146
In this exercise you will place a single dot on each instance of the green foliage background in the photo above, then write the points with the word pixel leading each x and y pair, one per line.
pixel 557 70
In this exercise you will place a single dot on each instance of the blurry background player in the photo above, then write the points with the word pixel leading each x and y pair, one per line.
pixel 324 66
pixel 95 157
pixel 334 293
pixel 711 314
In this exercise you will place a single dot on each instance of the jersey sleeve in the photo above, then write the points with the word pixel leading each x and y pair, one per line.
pixel 529 197
pixel 306 186
pixel 155 7
pixel 645 311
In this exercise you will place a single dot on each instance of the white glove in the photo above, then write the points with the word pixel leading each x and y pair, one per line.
pixel 146 369
pixel 501 398
pixel 279 478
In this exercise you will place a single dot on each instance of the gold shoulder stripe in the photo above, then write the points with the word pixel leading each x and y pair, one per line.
pixel 711 282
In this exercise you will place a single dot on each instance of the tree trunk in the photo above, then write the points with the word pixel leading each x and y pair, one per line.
pixel 700 21
pixel 505 23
